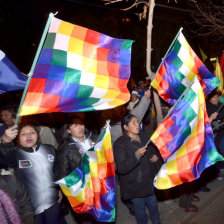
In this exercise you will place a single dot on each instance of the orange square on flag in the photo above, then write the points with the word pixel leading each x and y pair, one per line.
pixel 79 32
pixel 33 99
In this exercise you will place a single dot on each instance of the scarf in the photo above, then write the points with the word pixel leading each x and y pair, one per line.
pixel 7 210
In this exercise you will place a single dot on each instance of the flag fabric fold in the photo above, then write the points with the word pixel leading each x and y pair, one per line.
pixel 78 70
pixel 178 70
pixel 203 55
pixel 11 78
pixel 221 62
pixel 91 188
pixel 219 75
pixel 185 141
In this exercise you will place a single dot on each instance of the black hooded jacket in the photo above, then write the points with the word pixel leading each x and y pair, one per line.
pixel 136 175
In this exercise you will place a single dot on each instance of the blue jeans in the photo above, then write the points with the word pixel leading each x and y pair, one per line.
pixel 140 204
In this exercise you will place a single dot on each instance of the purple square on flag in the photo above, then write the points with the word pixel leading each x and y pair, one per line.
pixel 104 202
pixel 173 129
pixel 125 56
pixel 70 90
pixel 105 41
pixel 196 171
pixel 53 87
pixel 45 56
pixel 41 71
pixel 117 43
pixel 56 72
pixel 172 146
pixel 203 71
pixel 68 102
pixel 124 71
pixel 110 182
pixel 114 56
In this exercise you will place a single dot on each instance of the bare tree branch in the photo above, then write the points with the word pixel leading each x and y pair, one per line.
pixel 208 17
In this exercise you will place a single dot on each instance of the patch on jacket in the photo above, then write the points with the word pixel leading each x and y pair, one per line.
pixel 25 164
pixel 50 158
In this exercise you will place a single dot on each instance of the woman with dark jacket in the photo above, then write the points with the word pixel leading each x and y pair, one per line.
pixel 72 148
pixel 136 167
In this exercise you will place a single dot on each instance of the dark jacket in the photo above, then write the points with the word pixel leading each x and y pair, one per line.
pixel 68 158
pixel 17 192
pixel 136 175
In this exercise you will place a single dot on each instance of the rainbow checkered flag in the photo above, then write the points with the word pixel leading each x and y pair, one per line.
pixel 177 71
pixel 78 70
pixel 91 188
pixel 185 141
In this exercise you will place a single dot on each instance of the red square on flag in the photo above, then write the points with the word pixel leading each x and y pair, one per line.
pixel 33 87
pixel 92 37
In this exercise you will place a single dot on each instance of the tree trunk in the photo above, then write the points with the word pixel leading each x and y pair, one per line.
pixel 151 75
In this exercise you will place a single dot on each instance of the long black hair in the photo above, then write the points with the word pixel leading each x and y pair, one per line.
pixel 66 136
pixel 125 121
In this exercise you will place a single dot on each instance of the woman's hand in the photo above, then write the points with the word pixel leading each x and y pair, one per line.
pixel 154 158
pixel 10 134
pixel 141 151
pixel 213 117
pixel 60 196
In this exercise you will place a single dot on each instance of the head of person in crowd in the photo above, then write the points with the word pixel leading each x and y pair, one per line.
pixel 213 97
pixel 8 115
pixel 141 84
pixel 130 125
pixel 28 136
pixel 74 128
pixel 134 96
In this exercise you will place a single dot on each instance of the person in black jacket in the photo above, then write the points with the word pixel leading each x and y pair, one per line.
pixel 137 165
pixel 72 147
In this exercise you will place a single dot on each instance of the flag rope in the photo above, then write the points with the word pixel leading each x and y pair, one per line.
pixel 51 15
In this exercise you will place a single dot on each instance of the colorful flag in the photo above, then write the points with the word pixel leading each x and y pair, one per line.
pixel 78 70
pixel 91 188
pixel 10 77
pixel 185 141
pixel 203 55
pixel 178 70
pixel 219 75
pixel 221 62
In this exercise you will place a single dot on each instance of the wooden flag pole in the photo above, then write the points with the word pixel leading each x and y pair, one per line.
pixel 51 15
pixel 171 45
pixel 171 109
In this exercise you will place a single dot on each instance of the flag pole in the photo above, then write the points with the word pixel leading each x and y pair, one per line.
pixel 171 45
pixel 51 15
pixel 171 109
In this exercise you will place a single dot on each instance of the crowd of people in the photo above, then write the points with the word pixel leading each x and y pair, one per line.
pixel 47 147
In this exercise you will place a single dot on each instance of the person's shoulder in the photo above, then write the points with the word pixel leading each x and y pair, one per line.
pixel 122 138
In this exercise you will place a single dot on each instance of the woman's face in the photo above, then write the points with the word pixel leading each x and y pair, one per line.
pixel 77 131
pixel 133 126
pixel 28 137
pixel 214 99
pixel 133 97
